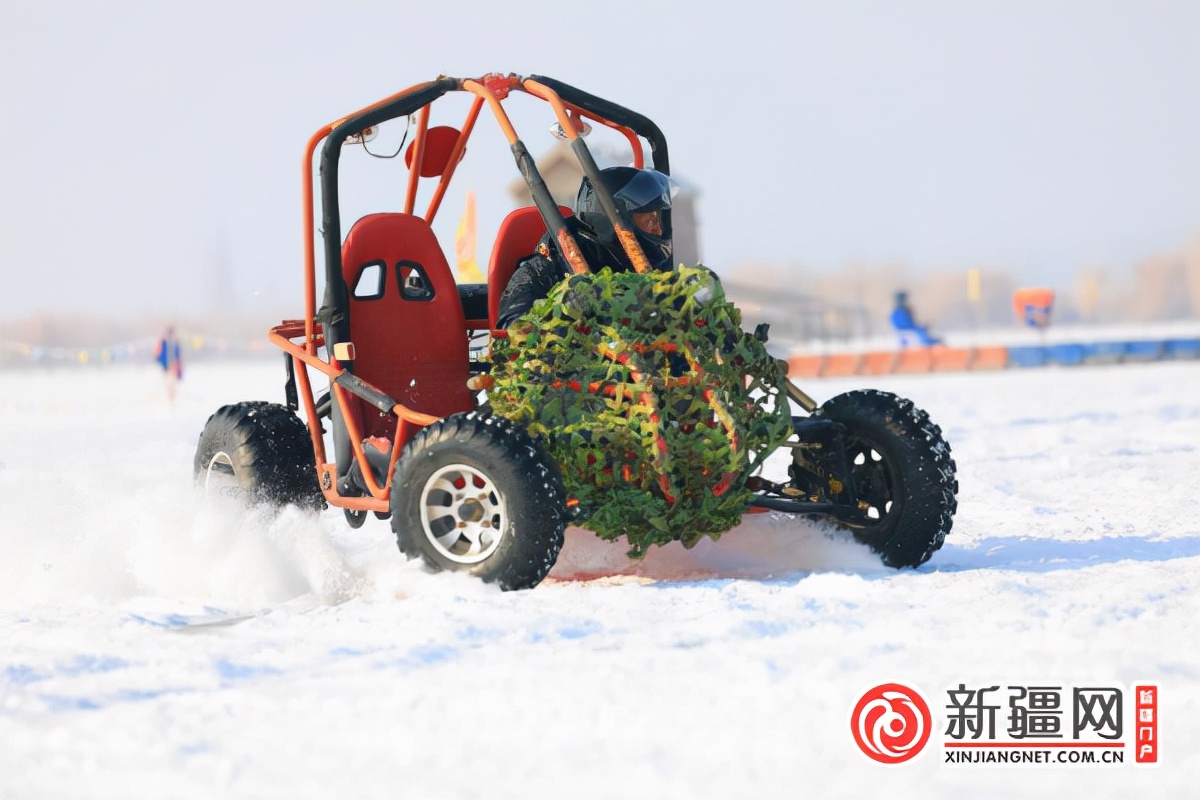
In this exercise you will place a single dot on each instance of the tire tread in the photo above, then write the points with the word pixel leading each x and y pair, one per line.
pixel 927 513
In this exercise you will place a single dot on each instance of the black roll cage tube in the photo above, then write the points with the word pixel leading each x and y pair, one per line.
pixel 336 301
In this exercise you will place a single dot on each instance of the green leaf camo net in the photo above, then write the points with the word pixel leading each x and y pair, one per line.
pixel 653 401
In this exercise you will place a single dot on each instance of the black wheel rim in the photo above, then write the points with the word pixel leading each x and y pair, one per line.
pixel 872 484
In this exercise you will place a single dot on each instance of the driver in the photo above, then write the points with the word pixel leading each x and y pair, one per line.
pixel 642 197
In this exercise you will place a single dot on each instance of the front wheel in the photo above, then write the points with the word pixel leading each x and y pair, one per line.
pixel 477 494
pixel 894 467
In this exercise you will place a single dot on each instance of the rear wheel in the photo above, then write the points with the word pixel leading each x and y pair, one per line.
pixel 893 466
pixel 261 451
pixel 477 494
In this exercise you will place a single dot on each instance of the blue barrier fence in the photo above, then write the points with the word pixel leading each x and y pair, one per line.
pixel 984 357
pixel 1072 354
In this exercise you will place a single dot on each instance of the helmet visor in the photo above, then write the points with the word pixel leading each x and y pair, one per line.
pixel 648 190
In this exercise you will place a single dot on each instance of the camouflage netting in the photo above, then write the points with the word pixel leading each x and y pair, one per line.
pixel 652 399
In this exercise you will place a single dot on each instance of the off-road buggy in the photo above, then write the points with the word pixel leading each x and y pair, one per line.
pixel 416 438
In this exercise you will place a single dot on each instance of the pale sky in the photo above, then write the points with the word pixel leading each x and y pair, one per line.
pixel 144 144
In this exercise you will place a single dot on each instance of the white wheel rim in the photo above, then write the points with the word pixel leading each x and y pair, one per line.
pixel 462 514
pixel 219 477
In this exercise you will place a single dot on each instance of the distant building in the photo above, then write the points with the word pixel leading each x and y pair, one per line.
pixel 1161 290
pixel 561 171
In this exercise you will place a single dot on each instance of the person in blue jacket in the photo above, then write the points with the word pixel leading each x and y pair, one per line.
pixel 170 357
pixel 906 326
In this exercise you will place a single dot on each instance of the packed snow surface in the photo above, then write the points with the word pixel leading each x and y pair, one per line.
pixel 155 644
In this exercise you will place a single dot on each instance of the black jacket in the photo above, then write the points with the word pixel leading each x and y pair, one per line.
pixel 538 273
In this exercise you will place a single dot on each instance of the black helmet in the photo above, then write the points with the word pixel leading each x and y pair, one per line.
pixel 633 190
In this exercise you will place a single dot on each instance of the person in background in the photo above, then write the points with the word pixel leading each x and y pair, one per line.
pixel 642 197
pixel 906 326
pixel 169 356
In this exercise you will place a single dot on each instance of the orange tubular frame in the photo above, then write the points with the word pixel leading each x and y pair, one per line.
pixel 624 235
pixel 455 156
pixel 418 160
pixel 301 340
pixel 635 144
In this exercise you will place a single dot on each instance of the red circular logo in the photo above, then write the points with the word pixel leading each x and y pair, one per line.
pixel 891 723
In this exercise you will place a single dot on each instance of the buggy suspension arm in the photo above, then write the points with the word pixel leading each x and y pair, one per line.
pixel 835 510
pixel 802 399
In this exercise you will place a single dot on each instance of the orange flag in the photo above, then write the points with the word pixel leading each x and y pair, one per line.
pixel 1033 306
pixel 464 245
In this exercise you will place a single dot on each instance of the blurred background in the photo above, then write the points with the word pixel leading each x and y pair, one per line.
pixel 831 154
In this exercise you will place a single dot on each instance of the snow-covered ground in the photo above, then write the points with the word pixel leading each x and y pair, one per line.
pixel 155 646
